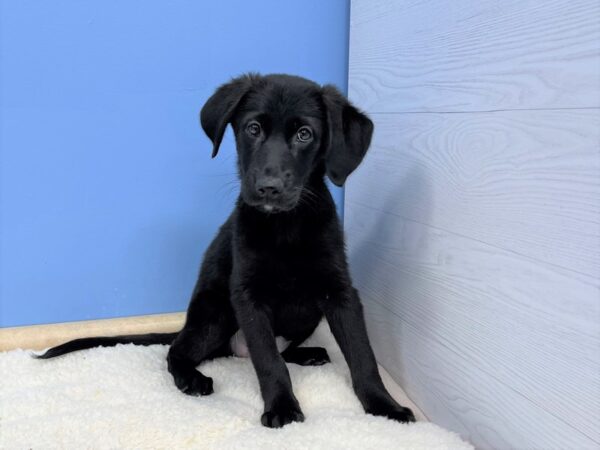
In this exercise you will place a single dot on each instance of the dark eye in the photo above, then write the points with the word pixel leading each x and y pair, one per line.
pixel 304 134
pixel 253 129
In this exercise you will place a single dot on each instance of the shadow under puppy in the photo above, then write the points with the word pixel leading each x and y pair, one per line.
pixel 278 264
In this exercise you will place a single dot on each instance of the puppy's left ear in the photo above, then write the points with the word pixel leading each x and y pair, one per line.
pixel 350 133
pixel 220 107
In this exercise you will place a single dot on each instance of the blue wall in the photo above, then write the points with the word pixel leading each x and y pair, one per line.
pixel 108 195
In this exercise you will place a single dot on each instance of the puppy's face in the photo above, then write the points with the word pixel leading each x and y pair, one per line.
pixel 279 132
pixel 286 128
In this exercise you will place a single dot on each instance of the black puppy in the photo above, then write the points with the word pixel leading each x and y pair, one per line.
pixel 278 263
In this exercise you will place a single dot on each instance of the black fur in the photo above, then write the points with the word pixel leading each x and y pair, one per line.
pixel 278 264
pixel 109 341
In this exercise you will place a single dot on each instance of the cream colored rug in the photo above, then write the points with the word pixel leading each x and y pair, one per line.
pixel 124 398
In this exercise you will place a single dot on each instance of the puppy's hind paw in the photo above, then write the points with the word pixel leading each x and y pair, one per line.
pixel 306 356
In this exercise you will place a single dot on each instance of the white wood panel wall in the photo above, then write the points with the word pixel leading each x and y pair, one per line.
pixel 473 225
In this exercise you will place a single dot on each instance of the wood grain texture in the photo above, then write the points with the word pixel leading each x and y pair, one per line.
pixel 439 55
pixel 473 225
pixel 475 241
pixel 524 181
pixel 446 384
pixel 495 345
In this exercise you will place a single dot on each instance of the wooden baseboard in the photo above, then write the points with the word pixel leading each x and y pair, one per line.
pixel 38 337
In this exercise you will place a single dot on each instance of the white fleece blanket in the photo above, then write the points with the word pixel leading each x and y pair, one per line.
pixel 124 398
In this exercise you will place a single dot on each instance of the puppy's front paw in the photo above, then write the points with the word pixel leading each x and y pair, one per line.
pixel 281 415
pixel 195 385
pixel 399 413
pixel 403 414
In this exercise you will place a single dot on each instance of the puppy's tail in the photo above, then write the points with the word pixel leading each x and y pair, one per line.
pixel 106 341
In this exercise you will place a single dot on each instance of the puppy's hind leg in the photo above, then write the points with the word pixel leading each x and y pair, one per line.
pixel 209 325
pixel 306 356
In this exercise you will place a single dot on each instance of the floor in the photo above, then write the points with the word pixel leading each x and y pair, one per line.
pixel 123 397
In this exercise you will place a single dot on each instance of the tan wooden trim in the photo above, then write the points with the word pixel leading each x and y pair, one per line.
pixel 38 337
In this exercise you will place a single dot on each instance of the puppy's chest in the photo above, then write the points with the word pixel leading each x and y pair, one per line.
pixel 288 271
pixel 289 262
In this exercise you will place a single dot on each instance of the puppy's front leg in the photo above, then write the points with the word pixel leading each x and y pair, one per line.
pixel 281 406
pixel 344 313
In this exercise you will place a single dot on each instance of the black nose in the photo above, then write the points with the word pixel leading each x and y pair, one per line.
pixel 271 186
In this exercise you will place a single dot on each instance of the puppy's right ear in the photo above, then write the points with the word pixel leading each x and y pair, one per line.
pixel 350 133
pixel 219 109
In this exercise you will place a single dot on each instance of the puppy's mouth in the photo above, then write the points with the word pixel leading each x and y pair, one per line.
pixel 269 207
pixel 272 205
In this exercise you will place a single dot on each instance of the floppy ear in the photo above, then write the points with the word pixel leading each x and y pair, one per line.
pixel 218 109
pixel 350 134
